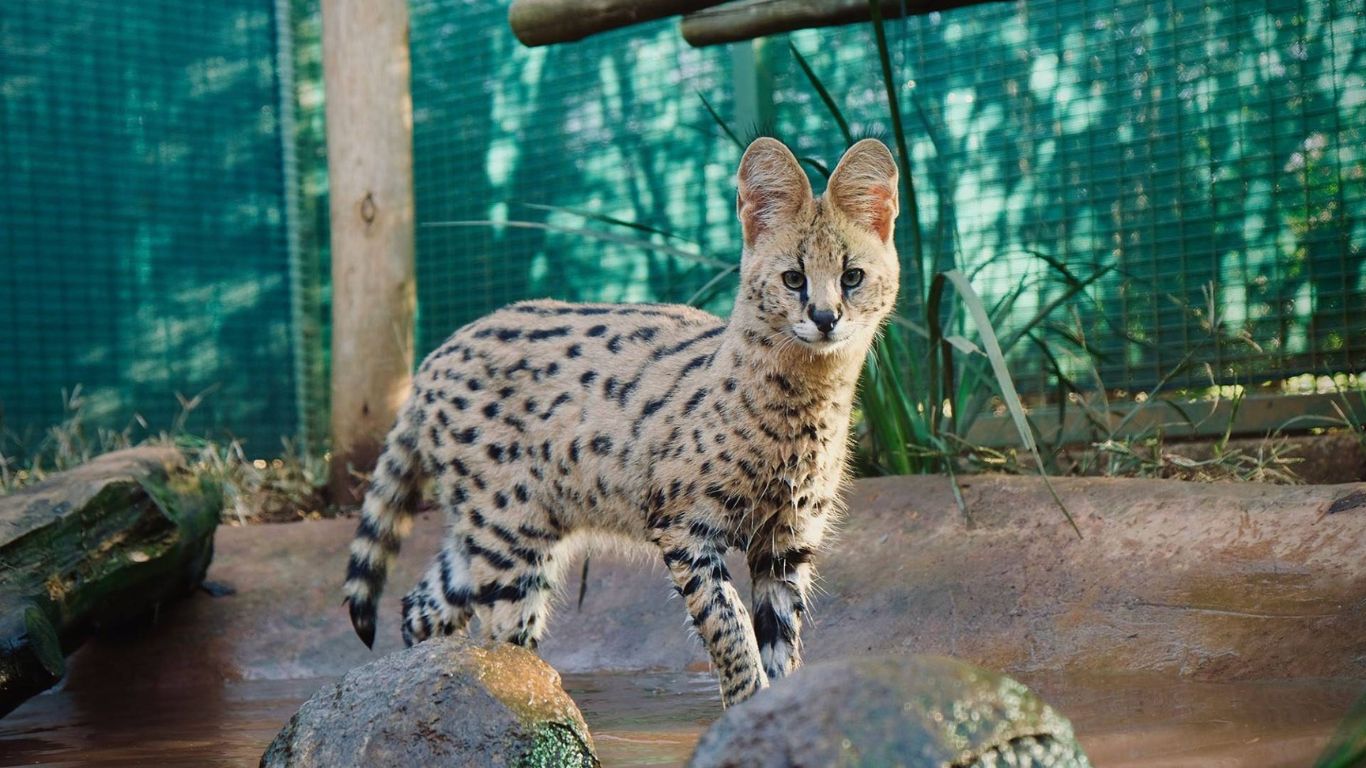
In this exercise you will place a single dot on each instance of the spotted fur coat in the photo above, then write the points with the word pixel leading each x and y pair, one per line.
pixel 547 423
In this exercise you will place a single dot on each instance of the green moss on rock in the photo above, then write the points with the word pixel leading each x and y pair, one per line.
pixel 892 711
pixel 441 702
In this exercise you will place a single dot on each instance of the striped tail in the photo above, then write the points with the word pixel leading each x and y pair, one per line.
pixel 385 519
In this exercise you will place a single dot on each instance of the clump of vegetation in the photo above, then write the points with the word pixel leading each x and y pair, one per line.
pixel 279 489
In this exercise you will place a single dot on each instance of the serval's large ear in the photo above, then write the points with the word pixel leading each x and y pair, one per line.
pixel 773 190
pixel 864 187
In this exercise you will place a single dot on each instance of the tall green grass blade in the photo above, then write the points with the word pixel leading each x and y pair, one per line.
pixel 957 492
pixel 978 311
pixel 820 167
pixel 939 354
pixel 711 285
pixel 910 325
pixel 1347 747
pixel 592 234
pixel 1047 309
pixel 903 153
pixel 606 219
pixel 1152 395
pixel 1064 387
pixel 717 117
pixel 824 94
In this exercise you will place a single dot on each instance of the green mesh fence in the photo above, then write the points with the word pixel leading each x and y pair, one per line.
pixel 144 230
pixel 611 126
pixel 1211 156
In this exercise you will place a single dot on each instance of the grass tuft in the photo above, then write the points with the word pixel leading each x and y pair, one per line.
pixel 282 488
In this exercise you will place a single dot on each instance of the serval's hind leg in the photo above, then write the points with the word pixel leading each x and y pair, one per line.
pixel 441 603
pixel 514 568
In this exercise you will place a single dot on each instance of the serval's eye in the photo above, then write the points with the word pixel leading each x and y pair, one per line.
pixel 851 278
pixel 794 279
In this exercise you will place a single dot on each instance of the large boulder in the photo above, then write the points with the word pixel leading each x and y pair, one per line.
pixel 882 712
pixel 442 702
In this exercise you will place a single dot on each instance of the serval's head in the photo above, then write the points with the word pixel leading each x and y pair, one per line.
pixel 817 274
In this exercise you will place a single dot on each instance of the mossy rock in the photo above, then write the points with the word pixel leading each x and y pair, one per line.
pixel 441 702
pixel 884 712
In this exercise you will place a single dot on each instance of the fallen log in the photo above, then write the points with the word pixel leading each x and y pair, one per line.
pixel 545 22
pixel 102 545
pixel 748 19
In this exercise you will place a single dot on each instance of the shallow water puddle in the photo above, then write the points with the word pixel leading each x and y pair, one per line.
pixel 653 719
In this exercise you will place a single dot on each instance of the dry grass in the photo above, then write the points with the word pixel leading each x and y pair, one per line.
pixel 282 488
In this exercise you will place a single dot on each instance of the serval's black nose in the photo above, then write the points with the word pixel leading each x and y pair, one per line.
pixel 824 319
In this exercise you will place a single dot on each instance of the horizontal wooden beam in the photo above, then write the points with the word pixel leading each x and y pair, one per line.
pixel 1256 415
pixel 748 19
pixel 545 22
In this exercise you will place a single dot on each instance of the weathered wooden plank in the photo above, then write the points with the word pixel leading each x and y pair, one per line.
pixel 748 19
pixel 100 545
pixel 545 22
pixel 370 172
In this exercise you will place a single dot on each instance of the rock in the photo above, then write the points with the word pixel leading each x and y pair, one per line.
pixel 442 702
pixel 913 711
pixel 101 545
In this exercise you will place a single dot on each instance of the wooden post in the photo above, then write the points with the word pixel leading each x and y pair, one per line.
pixel 370 170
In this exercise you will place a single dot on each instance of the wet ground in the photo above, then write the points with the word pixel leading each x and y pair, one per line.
pixel 1239 611
pixel 653 719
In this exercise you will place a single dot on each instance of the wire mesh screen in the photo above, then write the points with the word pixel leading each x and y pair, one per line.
pixel 526 137
pixel 1208 160
pixel 143 233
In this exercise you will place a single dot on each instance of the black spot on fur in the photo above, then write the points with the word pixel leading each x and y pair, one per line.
pixel 597 330
pixel 651 408
pixel 695 400
pixel 548 333
pixel 560 399
pixel 602 445
pixel 496 559
pixel 674 349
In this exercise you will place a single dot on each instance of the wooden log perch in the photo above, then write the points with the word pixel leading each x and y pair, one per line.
pixel 748 19
pixel 101 545
pixel 544 22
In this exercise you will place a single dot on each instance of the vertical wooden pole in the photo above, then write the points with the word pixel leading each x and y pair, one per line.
pixel 370 173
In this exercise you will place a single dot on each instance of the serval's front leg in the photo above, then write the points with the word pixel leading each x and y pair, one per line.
pixel 780 569
pixel 692 554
